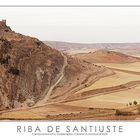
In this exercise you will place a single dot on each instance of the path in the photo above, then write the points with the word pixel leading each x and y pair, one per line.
pixel 45 99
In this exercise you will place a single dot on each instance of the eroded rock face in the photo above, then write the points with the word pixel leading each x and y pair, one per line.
pixel 27 68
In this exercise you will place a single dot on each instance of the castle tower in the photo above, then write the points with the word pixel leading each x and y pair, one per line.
pixel 3 22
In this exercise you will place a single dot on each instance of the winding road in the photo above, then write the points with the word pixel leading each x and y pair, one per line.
pixel 48 93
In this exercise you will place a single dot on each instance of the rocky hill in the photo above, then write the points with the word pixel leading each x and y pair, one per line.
pixel 27 68
pixel 126 48
pixel 32 73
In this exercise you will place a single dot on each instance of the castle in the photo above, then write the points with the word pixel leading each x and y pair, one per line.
pixel 3 23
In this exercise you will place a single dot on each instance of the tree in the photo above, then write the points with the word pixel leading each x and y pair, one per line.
pixel 135 102
pixel 130 103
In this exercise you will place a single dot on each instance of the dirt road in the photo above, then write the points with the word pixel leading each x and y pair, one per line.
pixel 45 99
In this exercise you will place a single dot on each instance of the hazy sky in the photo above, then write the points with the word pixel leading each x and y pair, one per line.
pixel 85 25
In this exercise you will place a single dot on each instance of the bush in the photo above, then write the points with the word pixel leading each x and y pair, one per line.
pixel 3 61
pixel 135 102
pixel 86 85
pixel 130 103
pixel 21 98
pixel 123 113
pixel 14 71
pixel 118 112
pixel 90 108
pixel 38 43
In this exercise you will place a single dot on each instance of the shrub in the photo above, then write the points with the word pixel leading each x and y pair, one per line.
pixel 135 102
pixel 56 69
pixel 14 71
pixel 130 103
pixel 90 108
pixel 3 61
pixel 21 98
pixel 123 113
pixel 118 112
pixel 38 43
pixel 85 85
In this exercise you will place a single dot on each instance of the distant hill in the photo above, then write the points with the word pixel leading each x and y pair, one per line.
pixel 67 45
pixel 106 56
pixel 126 48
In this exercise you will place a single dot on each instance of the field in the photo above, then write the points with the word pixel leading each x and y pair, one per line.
pixel 117 99
pixel 99 101
pixel 114 100
pixel 117 79
pixel 127 66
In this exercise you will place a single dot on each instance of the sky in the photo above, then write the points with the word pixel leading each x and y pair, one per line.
pixel 73 24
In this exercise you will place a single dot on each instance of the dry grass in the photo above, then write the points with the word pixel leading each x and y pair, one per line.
pixel 112 100
pixel 127 66
pixel 84 108
pixel 117 79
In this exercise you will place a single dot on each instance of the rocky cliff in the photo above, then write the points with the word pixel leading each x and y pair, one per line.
pixel 28 67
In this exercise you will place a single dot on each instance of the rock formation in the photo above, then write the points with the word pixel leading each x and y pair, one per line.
pixel 27 68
